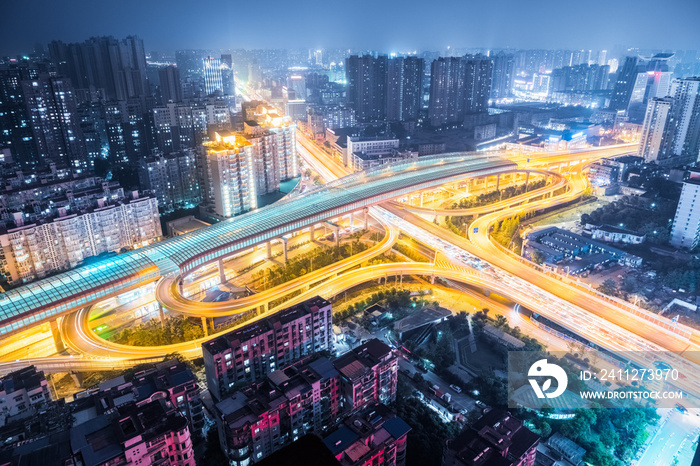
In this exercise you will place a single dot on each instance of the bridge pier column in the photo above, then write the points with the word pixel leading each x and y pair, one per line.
pixel 352 221
pixel 498 181
pixel 421 198
pixel 311 232
pixel 77 379
pixel 365 210
pixel 432 279
pixel 527 180
pixel 284 245
pixel 222 271
pixel 56 334
pixel 269 250
pixel 205 326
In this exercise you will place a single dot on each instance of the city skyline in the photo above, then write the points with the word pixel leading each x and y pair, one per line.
pixel 511 25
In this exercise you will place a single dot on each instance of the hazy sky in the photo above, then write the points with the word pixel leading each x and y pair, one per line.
pixel 359 24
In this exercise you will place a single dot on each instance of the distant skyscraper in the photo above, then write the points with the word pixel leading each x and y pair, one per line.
pixel 626 77
pixel 189 62
pixel 446 83
pixel 458 86
pixel 170 86
pixel 602 57
pixel 367 86
pixel 227 75
pixel 503 75
pixel 213 80
pixel 404 88
pixel 115 67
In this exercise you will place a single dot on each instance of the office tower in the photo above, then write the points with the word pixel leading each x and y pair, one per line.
pixel 290 402
pixel 656 137
pixel 64 241
pixel 367 86
pixel 404 88
pixel 685 232
pixel 52 115
pixel 229 176
pixel 495 438
pixel 173 179
pixel 213 80
pixel 296 85
pixel 170 86
pixel 626 78
pixel 115 68
pixel 503 75
pixel 459 86
pixel 251 352
pixel 369 374
pixel 16 133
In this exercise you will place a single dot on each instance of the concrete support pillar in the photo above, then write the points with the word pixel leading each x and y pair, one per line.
pixel 180 288
pixel 366 212
pixel 222 271
pixel 269 249
pixel 352 220
pixel 56 334
pixel 498 181
pixel 205 326
pixel 284 245
pixel 311 232
pixel 77 379
pixel 421 198
pixel 432 279
pixel 337 236
pixel 527 180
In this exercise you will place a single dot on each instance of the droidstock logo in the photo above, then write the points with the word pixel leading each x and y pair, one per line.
pixel 542 369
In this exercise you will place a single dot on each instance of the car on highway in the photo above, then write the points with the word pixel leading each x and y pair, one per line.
pixel 456 388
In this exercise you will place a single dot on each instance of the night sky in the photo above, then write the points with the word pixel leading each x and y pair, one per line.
pixel 387 25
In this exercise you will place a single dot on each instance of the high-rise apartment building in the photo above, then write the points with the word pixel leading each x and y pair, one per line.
pixel 685 232
pixel 320 118
pixel 291 402
pixel 404 88
pixel 369 373
pixel 53 118
pixel 639 80
pixel 251 352
pixel 686 117
pixel 656 137
pixel 503 75
pixel 228 176
pixel 116 69
pixel 170 85
pixel 60 243
pixel 173 179
pixel 17 134
pixel 367 86
pixel 459 86
pixel 671 129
